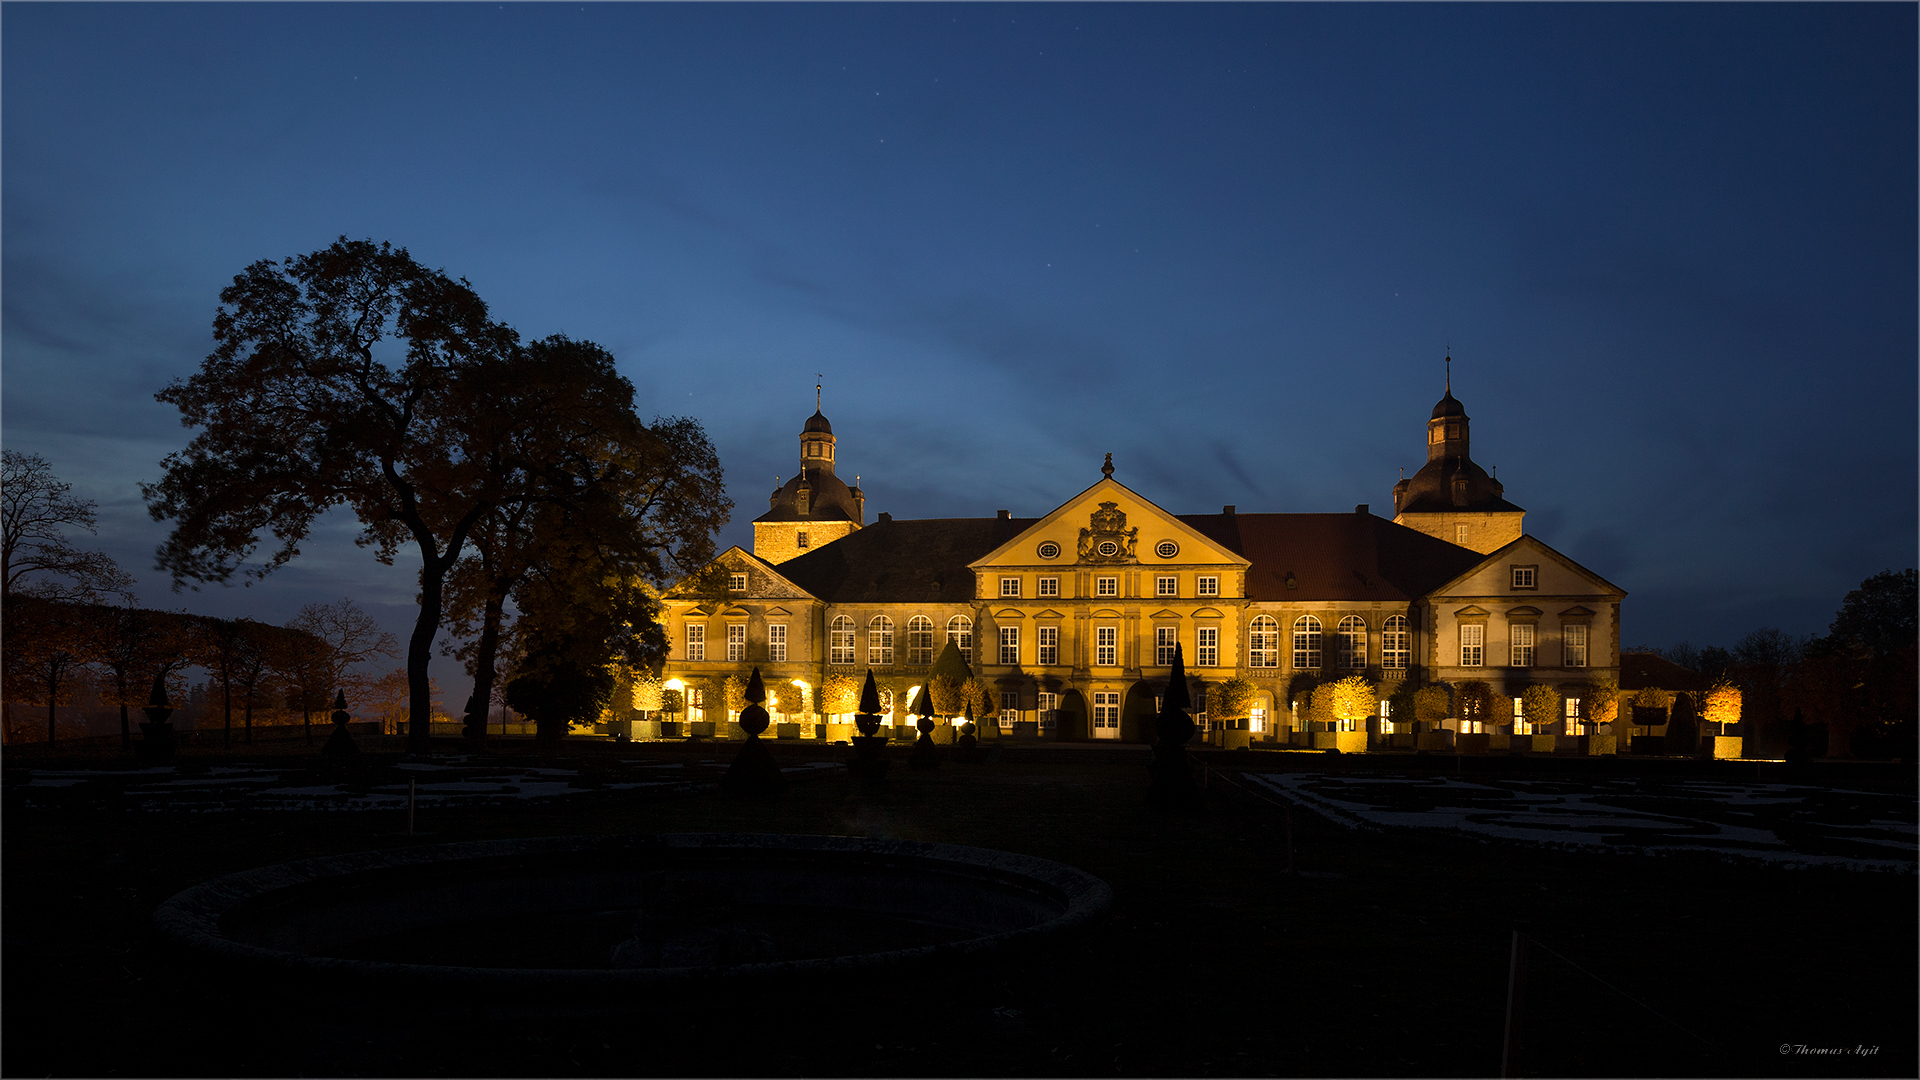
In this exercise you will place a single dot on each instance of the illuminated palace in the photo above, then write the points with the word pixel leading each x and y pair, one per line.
pixel 1070 619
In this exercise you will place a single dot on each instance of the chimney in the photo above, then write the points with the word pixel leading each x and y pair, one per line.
pixel 1227 509
pixel 1360 509
pixel 883 518
pixel 1004 515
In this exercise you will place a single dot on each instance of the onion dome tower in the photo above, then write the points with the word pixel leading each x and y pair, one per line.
pixel 815 507
pixel 1451 497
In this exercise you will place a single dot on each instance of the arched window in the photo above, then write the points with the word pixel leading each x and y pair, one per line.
pixel 920 640
pixel 840 641
pixel 880 641
pixel 960 632
pixel 1263 642
pixel 1393 644
pixel 1353 642
pixel 1306 642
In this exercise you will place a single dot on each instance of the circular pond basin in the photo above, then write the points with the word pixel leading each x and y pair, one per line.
pixel 607 923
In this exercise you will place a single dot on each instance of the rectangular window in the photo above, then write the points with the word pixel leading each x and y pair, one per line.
pixel 1473 643
pixel 1010 586
pixel 800 541
pixel 1049 646
pixel 1106 586
pixel 1106 710
pixel 1163 639
pixel 1048 706
pixel 736 642
pixel 1206 647
pixel 1166 585
pixel 1573 708
pixel 1522 639
pixel 696 642
pixel 1257 718
pixel 1523 577
pixel 880 642
pixel 777 642
pixel 1520 725
pixel 737 582
pixel 1106 646
pixel 1393 644
pixel 1263 643
pixel 1573 640
pixel 1048 586
pixel 1010 645
pixel 960 632
pixel 840 641
pixel 696 703
pixel 1206 585
pixel 1009 709
pixel 1460 535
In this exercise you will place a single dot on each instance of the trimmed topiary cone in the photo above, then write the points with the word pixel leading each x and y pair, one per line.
pixel 1173 788
pixel 754 771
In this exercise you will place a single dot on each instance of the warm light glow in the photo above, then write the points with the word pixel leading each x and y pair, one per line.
pixel 674 684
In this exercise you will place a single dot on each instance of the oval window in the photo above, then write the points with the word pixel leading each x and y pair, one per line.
pixel 1049 550
pixel 1167 549
pixel 1109 548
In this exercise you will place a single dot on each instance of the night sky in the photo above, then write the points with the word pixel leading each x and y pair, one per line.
pixel 1671 248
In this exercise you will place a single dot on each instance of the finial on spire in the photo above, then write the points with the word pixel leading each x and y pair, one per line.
pixel 1449 369
pixel 819 377
pixel 1107 469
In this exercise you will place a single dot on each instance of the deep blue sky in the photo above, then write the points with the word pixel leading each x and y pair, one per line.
pixel 1672 248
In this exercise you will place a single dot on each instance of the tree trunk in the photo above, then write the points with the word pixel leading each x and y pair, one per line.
pixel 481 702
pixel 126 730
pixel 52 720
pixel 248 707
pixel 433 576
pixel 226 714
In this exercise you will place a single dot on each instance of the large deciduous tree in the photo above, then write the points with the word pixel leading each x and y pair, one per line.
pixel 600 495
pixel 352 376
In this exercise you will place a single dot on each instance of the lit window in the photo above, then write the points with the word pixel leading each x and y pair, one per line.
pixel 696 703
pixel 736 642
pixel 1353 642
pixel 696 642
pixel 1306 642
pixel 1048 706
pixel 1106 710
pixel 1206 585
pixel 1010 645
pixel 1106 586
pixel 1009 586
pixel 1106 651
pixel 1393 643
pixel 1573 708
pixel 1263 642
pixel 1163 638
pixel 737 582
pixel 1166 585
pixel 1522 641
pixel 1049 645
pixel 960 633
pixel 920 640
pixel 840 641
pixel 1473 641
pixel 880 641
pixel 1009 709
pixel 777 642
pixel 800 541
pixel 1257 718
pixel 1460 535
pixel 1523 577
pixel 1048 586
pixel 1573 640
pixel 1520 725
pixel 1206 647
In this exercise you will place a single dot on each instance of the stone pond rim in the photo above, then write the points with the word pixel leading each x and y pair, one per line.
pixel 278 923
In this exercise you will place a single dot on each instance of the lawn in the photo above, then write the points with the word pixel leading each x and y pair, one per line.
pixel 1383 951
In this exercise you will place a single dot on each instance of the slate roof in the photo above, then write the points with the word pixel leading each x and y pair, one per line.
pixel 1335 556
pixel 831 499
pixel 1641 670
pixel 920 561
pixel 1430 491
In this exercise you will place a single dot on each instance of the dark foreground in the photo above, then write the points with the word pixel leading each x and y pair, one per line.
pixel 1383 953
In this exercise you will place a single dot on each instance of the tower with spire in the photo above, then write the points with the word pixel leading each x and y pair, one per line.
pixel 1451 497
pixel 815 507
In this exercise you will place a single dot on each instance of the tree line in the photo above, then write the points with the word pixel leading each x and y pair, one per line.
pixel 1856 682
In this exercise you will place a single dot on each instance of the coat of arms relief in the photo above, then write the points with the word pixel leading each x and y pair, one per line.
pixel 1108 539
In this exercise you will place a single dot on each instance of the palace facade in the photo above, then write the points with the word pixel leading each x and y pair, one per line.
pixel 1071 618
